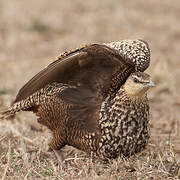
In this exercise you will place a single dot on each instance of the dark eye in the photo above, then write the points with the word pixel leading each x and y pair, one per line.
pixel 135 80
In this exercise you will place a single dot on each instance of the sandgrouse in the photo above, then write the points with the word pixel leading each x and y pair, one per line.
pixel 93 98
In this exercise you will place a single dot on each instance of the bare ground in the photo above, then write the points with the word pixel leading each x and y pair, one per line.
pixel 33 33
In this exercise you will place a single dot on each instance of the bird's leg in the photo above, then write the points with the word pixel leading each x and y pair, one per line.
pixel 56 144
pixel 59 155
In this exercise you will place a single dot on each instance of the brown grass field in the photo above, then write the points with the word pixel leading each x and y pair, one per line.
pixel 33 33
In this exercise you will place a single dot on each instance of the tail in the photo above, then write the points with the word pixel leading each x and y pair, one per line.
pixel 7 113
pixel 30 102
pixel 22 105
pixel 12 110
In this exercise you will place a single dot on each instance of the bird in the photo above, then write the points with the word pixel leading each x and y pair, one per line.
pixel 93 98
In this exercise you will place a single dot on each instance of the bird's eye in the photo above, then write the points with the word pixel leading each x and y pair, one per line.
pixel 135 80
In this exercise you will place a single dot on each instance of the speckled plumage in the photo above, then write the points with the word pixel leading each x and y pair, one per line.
pixel 124 124
pixel 88 107
pixel 137 50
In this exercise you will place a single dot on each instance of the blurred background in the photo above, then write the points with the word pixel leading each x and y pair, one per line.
pixel 33 33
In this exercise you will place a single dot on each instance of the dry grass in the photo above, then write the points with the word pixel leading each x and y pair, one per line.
pixel 32 31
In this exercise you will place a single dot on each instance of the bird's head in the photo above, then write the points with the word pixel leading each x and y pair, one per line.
pixel 137 85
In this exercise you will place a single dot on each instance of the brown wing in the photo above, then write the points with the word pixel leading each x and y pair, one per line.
pixel 97 66
pixel 83 113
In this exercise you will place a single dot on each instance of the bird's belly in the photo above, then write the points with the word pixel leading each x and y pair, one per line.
pixel 114 147
pixel 128 138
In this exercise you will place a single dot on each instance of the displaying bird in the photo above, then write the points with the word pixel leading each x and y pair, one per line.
pixel 93 98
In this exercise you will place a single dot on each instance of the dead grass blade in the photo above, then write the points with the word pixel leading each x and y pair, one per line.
pixel 8 161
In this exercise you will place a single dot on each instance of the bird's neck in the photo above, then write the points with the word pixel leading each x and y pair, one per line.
pixel 134 95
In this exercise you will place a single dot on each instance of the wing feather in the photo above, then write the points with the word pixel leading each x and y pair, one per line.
pixel 82 108
pixel 94 66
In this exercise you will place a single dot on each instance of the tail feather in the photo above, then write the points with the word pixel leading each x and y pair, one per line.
pixel 16 107
pixel 7 113
pixel 30 102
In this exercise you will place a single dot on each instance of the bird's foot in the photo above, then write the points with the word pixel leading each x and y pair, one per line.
pixel 59 156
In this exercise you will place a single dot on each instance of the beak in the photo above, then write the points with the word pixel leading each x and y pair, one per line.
pixel 151 84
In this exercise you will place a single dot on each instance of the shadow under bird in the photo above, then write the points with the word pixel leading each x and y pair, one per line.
pixel 93 98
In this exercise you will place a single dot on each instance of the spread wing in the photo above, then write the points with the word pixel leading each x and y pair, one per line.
pixel 98 67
